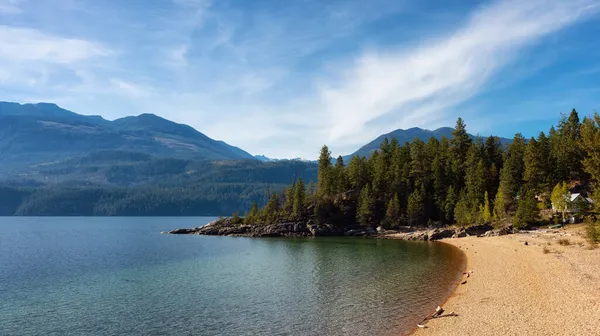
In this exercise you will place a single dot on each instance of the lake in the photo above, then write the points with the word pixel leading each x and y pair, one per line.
pixel 120 276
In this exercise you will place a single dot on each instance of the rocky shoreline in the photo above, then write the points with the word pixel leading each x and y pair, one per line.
pixel 228 227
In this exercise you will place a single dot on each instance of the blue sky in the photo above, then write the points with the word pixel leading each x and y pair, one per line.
pixel 284 77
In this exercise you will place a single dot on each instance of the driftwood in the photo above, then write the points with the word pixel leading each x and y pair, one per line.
pixel 439 311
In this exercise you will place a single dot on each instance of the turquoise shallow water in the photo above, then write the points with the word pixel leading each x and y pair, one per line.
pixel 119 276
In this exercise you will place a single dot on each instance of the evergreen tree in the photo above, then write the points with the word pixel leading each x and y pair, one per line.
pixel 533 174
pixel 462 210
pixel 527 210
pixel 392 214
pixel 459 146
pixel 590 143
pixel 451 200
pixel 475 177
pixel 566 148
pixel 511 176
pixel 339 175
pixel 500 206
pixel 288 203
pixel 358 172
pixel 324 175
pixel 299 198
pixel 487 213
pixel 252 216
pixel 416 207
pixel 272 209
pixel 366 205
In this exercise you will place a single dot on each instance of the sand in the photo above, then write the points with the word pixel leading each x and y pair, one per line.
pixel 520 290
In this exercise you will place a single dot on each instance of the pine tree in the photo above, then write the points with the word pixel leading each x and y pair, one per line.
pixel 339 176
pixel 590 143
pixel 527 210
pixel 462 210
pixel 252 216
pixel 566 148
pixel 392 214
pixel 451 200
pixel 511 176
pixel 366 205
pixel 358 172
pixel 324 175
pixel 272 209
pixel 500 206
pixel 416 207
pixel 533 174
pixel 299 198
pixel 288 203
pixel 487 214
pixel 459 146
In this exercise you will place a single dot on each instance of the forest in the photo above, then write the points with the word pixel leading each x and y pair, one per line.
pixel 453 181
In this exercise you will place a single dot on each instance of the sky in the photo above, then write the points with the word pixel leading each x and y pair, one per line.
pixel 282 77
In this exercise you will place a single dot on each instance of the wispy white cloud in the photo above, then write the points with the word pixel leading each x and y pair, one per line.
pixel 280 78
pixel 10 6
pixel 416 87
pixel 24 45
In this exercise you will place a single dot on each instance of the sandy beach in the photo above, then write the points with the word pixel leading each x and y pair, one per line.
pixel 542 288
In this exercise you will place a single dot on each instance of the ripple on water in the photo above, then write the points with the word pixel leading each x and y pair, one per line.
pixel 58 279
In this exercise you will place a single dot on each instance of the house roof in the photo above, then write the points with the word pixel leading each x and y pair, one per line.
pixel 574 196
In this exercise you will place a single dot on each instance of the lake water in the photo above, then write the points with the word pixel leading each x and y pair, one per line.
pixel 119 276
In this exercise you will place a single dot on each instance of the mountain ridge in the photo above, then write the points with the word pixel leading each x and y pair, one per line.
pixel 408 135
pixel 36 133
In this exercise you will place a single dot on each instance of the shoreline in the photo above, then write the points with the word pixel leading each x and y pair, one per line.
pixel 549 286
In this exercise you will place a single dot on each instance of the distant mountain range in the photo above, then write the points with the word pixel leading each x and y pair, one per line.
pixel 408 135
pixel 40 133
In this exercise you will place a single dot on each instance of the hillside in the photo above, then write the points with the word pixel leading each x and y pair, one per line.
pixel 34 134
pixel 408 135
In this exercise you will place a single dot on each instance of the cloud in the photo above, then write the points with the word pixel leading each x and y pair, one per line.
pixel 404 88
pixel 280 78
pixel 10 6
pixel 25 45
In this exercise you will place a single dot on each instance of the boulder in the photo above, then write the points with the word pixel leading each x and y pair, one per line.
pixel 438 234
pixel 477 230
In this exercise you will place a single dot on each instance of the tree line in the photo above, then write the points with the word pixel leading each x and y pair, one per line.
pixel 457 180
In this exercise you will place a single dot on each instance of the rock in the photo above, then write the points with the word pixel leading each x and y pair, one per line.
pixel 182 231
pixel 477 230
pixel 380 229
pixel 438 234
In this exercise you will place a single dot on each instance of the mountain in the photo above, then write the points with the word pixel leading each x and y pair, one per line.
pixel 34 134
pixel 408 135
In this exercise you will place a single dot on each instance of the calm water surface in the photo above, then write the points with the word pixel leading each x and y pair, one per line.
pixel 119 276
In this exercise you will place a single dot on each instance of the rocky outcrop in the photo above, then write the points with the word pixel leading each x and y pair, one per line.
pixel 227 227
pixel 478 230
pixel 438 234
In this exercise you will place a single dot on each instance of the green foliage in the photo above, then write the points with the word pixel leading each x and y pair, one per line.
pixel 487 214
pixel 561 197
pixel 271 211
pixel 366 207
pixel 253 216
pixel 325 179
pixel 593 232
pixel 299 198
pixel 236 219
pixel 392 213
pixel 511 175
pixel 527 210
pixel 416 207
pixel 590 143
pixel 500 206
